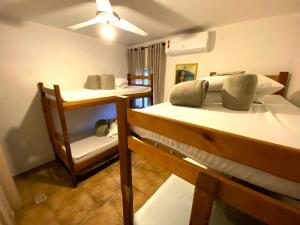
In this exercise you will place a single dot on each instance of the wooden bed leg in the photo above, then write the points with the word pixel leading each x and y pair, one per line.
pixel 204 197
pixel 74 180
pixel 125 160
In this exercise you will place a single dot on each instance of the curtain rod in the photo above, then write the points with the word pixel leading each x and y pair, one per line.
pixel 135 49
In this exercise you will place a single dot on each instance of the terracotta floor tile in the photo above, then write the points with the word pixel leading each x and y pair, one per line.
pixel 96 200
pixel 36 215
pixel 76 210
pixel 108 214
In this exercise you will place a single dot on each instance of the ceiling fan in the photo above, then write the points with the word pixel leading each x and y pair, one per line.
pixel 105 15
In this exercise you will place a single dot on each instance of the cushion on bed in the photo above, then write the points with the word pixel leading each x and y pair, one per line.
pixel 107 81
pixel 101 128
pixel 238 92
pixel 230 73
pixel 265 85
pixel 121 82
pixel 93 82
pixel 189 93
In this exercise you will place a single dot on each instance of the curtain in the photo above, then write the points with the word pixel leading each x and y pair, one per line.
pixel 136 61
pixel 157 67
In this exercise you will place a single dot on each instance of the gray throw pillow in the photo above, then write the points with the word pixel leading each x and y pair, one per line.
pixel 238 91
pixel 92 82
pixel 102 128
pixel 107 81
pixel 189 93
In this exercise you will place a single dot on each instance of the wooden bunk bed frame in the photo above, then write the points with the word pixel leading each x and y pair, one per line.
pixel 132 81
pixel 209 185
pixel 53 98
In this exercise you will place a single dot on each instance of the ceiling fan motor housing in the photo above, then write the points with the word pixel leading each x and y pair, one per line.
pixel 108 17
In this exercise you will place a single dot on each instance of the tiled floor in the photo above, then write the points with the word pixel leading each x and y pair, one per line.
pixel 96 200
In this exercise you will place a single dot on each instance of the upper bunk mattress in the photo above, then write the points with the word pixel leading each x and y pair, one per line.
pixel 276 121
pixel 84 94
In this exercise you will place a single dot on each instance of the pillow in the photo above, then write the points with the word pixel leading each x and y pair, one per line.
pixel 121 82
pixel 101 128
pixel 213 97
pixel 107 81
pixel 267 86
pixel 92 82
pixel 189 93
pixel 238 92
pixel 113 130
pixel 230 73
pixel 215 82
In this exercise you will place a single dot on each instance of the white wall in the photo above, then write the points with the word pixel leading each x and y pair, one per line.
pixel 31 53
pixel 265 45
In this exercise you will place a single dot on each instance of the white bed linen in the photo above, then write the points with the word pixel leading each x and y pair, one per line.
pixel 276 121
pixel 88 147
pixel 171 205
pixel 83 94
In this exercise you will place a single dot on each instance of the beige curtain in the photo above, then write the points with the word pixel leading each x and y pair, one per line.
pixel 136 61
pixel 157 67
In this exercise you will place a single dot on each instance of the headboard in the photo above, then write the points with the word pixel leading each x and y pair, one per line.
pixel 282 78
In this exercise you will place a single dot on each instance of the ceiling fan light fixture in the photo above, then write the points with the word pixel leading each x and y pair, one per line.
pixel 108 32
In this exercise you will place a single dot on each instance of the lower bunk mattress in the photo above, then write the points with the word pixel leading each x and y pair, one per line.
pixel 171 204
pixel 91 146
pixel 276 121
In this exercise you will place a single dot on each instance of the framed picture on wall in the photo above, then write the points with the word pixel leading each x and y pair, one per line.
pixel 185 72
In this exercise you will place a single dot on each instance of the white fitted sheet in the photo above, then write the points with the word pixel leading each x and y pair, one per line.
pixel 276 121
pixel 171 205
pixel 84 94
pixel 88 147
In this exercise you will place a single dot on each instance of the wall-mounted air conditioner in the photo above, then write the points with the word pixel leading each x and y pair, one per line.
pixel 187 44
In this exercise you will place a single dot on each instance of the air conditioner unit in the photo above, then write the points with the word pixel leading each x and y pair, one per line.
pixel 188 44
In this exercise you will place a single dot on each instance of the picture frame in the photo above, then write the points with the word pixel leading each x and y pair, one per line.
pixel 185 72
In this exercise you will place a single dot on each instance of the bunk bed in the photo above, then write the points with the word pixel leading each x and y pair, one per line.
pixel 84 153
pixel 272 151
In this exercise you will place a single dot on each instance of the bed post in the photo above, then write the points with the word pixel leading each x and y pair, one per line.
pixel 204 196
pixel 152 92
pixel 283 79
pixel 125 160
pixel 63 122
pixel 46 105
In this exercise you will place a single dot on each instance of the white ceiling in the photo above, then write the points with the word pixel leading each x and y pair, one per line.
pixel 159 18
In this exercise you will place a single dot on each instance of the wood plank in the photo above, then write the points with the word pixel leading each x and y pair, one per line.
pixel 100 101
pixel 256 204
pixel 204 197
pixel 88 102
pixel 276 159
pixel 125 161
pixel 136 77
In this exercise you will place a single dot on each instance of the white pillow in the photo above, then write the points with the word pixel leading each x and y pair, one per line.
pixel 113 131
pixel 215 82
pixel 121 82
pixel 267 86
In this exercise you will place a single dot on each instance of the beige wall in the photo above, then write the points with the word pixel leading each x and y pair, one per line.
pixel 265 46
pixel 294 88
pixel 31 53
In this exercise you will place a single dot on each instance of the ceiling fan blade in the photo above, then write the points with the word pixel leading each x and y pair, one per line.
pixel 104 6
pixel 85 24
pixel 125 25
